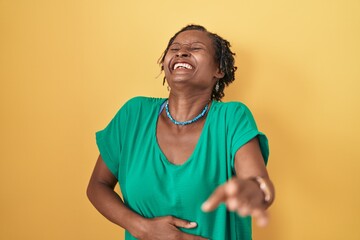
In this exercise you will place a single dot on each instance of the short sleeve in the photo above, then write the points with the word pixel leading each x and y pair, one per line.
pixel 243 129
pixel 109 141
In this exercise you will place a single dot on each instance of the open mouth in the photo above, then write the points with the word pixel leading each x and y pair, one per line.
pixel 182 66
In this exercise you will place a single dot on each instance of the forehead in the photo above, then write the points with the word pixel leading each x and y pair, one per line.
pixel 191 36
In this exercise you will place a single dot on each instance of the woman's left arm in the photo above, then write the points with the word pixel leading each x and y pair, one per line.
pixel 251 191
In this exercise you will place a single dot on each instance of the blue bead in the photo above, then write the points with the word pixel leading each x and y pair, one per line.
pixel 186 122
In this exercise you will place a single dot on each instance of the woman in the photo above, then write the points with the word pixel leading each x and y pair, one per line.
pixel 178 159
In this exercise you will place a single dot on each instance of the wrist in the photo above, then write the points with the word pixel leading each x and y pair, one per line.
pixel 266 188
pixel 138 227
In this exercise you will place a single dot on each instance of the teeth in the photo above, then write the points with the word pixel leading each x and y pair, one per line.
pixel 182 65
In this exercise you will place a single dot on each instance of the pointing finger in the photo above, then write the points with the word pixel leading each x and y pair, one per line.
pixel 218 196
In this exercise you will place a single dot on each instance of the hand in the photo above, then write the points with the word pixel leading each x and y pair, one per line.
pixel 162 228
pixel 243 196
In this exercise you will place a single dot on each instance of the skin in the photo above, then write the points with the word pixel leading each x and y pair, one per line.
pixel 102 195
pixel 190 92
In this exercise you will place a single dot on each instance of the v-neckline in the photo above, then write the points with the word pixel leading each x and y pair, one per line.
pixel 164 158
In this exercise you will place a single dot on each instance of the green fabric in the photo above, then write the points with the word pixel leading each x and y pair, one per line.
pixel 153 187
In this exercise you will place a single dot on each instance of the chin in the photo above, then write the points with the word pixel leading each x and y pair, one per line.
pixel 179 79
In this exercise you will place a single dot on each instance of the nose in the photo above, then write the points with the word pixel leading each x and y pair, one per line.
pixel 183 52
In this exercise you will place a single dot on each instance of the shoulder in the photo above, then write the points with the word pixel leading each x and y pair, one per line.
pixel 233 112
pixel 231 107
pixel 140 106
pixel 141 101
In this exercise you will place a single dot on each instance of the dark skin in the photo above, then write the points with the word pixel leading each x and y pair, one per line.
pixel 102 195
pixel 191 88
pixel 190 92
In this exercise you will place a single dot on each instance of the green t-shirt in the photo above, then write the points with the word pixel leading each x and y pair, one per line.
pixel 152 186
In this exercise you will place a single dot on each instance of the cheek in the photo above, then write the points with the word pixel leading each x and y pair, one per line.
pixel 166 62
pixel 209 63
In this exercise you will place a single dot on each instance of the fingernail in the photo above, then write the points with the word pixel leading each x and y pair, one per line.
pixel 193 224
pixel 232 204
pixel 245 211
pixel 205 206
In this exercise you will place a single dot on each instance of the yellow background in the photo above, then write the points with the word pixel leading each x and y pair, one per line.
pixel 66 66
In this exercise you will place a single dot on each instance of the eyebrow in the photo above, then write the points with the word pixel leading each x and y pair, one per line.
pixel 188 43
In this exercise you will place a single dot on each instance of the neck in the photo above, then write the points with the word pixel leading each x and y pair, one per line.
pixel 183 107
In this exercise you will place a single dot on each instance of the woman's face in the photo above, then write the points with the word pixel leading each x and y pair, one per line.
pixel 190 59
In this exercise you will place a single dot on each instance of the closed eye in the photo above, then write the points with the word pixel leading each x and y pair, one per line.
pixel 175 47
pixel 196 46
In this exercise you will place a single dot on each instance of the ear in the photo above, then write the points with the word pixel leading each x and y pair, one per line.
pixel 219 74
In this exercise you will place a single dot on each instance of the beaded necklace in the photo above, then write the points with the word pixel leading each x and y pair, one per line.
pixel 186 122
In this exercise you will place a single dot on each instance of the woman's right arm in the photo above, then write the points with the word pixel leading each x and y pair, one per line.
pixel 101 194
